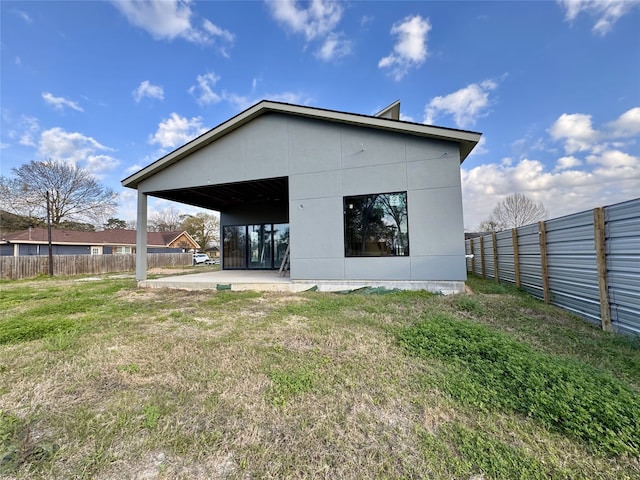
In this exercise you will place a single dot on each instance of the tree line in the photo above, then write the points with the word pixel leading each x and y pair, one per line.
pixel 73 199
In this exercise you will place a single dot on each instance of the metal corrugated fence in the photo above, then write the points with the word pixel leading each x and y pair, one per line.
pixel 622 234
pixel 573 272
pixel 530 265
pixel 560 260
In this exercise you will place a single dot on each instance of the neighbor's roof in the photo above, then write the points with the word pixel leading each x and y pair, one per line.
pixel 105 237
pixel 466 139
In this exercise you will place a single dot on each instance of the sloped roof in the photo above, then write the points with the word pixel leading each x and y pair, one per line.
pixel 105 237
pixel 467 140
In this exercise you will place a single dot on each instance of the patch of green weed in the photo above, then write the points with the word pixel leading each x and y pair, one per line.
pixel 24 330
pixel 151 416
pixel 285 384
pixel 469 304
pixel 490 370
pixel 480 285
pixel 129 368
pixel 463 452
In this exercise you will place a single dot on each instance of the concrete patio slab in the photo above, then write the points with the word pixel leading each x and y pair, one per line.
pixel 271 281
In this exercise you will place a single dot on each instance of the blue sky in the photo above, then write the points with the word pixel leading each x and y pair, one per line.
pixel 553 86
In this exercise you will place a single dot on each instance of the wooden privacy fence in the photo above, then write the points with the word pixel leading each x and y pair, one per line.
pixel 588 263
pixel 13 268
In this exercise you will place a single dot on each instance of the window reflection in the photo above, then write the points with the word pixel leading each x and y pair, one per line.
pixel 259 246
pixel 376 225
pixel 235 246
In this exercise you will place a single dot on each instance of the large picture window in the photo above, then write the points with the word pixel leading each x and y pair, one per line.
pixel 376 225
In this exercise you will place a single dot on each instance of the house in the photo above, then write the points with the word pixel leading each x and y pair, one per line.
pixel 35 241
pixel 357 198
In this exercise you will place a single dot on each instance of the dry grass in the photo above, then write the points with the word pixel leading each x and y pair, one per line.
pixel 201 385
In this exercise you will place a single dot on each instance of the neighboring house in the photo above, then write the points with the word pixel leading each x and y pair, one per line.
pixel 357 198
pixel 70 242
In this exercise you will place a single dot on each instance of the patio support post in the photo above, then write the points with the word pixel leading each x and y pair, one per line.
pixel 141 238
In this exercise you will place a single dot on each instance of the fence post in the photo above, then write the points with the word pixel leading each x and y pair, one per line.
pixel 495 256
pixel 600 243
pixel 543 261
pixel 516 255
pixel 473 259
pixel 482 256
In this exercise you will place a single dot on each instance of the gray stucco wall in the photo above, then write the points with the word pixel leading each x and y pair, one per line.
pixel 327 161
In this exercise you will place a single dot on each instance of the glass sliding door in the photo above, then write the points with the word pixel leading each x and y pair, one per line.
pixel 234 247
pixel 280 242
pixel 260 247
pixel 254 246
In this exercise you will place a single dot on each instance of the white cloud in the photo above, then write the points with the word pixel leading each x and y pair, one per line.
pixel 176 131
pixel 336 45
pixel 406 118
pixel 410 50
pixel 216 31
pixel 146 89
pixel 99 164
pixel 76 148
pixel 315 22
pixel 567 162
pixel 465 105
pixel 604 175
pixel 627 125
pixel 59 102
pixel 242 102
pixel 615 179
pixel 318 19
pixel 615 160
pixel 133 168
pixel 24 16
pixel 203 91
pixel 576 131
pixel 29 127
pixel 170 19
pixel 205 94
pixel 606 12
pixel 128 204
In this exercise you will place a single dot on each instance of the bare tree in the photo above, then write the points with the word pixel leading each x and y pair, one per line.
pixel 167 220
pixel 75 195
pixel 203 227
pixel 514 211
pixel 489 226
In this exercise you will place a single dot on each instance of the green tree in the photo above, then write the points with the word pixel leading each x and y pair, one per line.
pixel 115 224
pixel 77 226
pixel 203 227
pixel 10 222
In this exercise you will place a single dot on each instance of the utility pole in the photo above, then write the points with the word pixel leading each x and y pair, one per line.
pixel 49 235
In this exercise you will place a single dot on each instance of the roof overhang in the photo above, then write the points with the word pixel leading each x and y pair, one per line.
pixel 467 140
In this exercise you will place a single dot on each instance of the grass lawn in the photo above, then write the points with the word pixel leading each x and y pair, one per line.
pixel 101 380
